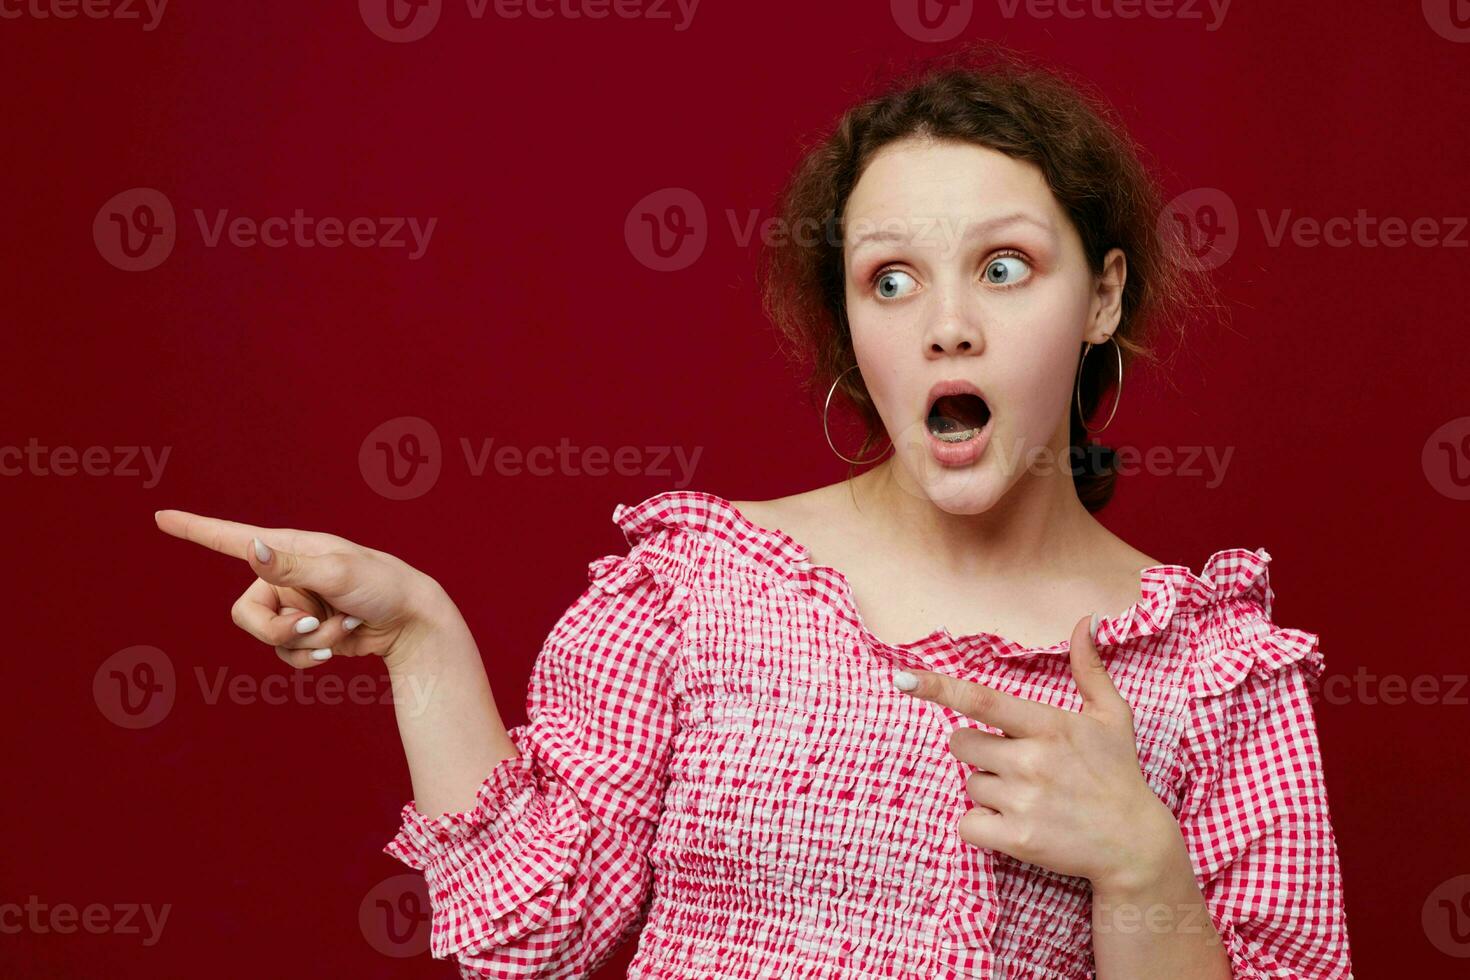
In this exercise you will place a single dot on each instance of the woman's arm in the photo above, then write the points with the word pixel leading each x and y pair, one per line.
pixel 447 718
pixel 1155 922
pixel 535 854
pixel 1255 817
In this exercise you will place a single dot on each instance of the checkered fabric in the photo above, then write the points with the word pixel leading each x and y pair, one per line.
pixel 716 761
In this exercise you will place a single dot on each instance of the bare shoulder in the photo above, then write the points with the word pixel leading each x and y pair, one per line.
pixel 803 516
pixel 1118 557
pixel 1134 558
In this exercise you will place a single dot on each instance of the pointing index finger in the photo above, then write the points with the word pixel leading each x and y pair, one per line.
pixel 1012 715
pixel 227 537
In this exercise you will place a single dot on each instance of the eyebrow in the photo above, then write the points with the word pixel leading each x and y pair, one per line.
pixel 881 235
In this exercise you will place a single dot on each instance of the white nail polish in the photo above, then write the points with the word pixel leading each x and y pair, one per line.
pixel 905 681
pixel 321 654
pixel 1092 630
pixel 262 553
pixel 308 624
pixel 351 623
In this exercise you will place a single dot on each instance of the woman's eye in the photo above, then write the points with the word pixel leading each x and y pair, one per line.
pixel 891 283
pixel 999 274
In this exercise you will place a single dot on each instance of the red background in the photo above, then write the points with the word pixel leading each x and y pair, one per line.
pixel 529 319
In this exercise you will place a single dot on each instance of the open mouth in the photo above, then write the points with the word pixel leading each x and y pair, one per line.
pixel 957 418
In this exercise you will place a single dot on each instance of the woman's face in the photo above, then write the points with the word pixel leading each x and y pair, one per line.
pixel 961 267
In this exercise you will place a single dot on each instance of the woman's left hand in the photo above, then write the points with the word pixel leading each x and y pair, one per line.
pixel 1060 789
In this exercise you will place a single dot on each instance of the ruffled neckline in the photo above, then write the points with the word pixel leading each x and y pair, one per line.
pixel 1165 589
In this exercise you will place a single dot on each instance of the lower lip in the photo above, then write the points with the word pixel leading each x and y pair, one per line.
pixel 960 453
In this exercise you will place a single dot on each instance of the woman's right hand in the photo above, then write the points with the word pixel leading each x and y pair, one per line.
pixel 318 592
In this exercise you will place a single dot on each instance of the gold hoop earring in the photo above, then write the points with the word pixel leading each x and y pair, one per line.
pixel 1116 398
pixel 828 433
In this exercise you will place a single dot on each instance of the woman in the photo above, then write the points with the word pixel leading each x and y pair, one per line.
pixel 752 741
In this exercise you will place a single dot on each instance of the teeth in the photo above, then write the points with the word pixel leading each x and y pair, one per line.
pixel 946 429
pixel 963 435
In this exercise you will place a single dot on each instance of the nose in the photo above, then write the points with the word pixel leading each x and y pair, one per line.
pixel 953 329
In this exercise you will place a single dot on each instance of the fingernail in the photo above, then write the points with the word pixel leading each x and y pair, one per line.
pixel 262 553
pixel 308 624
pixel 321 654
pixel 351 623
pixel 905 681
pixel 1092 631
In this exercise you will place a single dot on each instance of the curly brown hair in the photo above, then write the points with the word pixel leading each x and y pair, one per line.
pixel 989 95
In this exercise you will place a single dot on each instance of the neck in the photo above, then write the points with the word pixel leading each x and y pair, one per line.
pixel 1039 525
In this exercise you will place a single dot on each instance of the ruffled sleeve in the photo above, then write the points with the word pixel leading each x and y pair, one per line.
pixel 1255 815
pixel 546 874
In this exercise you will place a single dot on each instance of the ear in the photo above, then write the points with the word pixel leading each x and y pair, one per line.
pixel 1107 303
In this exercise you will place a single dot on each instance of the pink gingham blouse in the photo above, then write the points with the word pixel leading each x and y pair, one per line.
pixel 717 761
